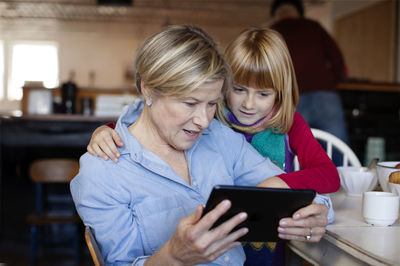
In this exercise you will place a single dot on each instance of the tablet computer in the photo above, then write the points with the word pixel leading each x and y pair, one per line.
pixel 264 206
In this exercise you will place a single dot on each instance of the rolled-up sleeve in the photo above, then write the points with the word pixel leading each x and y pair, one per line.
pixel 99 200
pixel 320 199
pixel 140 261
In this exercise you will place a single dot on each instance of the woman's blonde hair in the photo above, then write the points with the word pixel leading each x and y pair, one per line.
pixel 260 58
pixel 177 60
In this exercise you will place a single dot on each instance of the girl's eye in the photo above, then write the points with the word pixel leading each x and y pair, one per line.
pixel 212 104
pixel 265 93
pixel 238 89
pixel 190 104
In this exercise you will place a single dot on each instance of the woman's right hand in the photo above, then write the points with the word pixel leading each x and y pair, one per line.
pixel 194 242
pixel 103 143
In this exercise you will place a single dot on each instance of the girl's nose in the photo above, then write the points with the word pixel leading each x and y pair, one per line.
pixel 248 102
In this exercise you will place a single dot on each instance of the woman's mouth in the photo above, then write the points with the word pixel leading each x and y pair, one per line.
pixel 191 133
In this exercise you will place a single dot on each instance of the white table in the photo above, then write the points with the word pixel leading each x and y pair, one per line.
pixel 351 241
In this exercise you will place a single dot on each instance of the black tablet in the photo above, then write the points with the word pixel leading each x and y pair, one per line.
pixel 264 206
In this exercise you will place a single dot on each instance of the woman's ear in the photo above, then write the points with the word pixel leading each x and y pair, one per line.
pixel 146 92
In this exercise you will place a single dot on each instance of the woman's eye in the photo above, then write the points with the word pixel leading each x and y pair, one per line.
pixel 190 104
pixel 212 104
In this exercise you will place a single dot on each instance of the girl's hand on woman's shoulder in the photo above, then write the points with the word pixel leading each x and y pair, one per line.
pixel 103 143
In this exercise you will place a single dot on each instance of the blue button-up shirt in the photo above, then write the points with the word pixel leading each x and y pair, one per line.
pixel 134 206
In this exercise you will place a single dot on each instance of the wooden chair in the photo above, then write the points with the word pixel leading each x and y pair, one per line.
pixel 93 248
pixel 331 141
pixel 52 171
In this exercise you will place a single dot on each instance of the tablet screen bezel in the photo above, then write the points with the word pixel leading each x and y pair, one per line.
pixel 264 206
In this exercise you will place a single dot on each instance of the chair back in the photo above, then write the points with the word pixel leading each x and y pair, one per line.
pixel 349 157
pixel 53 208
pixel 93 247
pixel 53 170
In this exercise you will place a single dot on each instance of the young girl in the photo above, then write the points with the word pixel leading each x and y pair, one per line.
pixel 261 105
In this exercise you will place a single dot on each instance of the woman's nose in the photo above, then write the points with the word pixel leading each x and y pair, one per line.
pixel 201 118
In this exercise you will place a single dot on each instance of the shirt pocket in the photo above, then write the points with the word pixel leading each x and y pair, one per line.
pixel 158 219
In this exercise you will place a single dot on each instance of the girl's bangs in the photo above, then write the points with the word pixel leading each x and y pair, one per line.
pixel 253 76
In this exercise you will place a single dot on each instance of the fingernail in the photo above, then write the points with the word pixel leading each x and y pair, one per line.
pixel 297 216
pixel 283 223
pixel 243 216
pixel 245 230
pixel 280 229
pixel 118 154
pixel 225 203
pixel 105 158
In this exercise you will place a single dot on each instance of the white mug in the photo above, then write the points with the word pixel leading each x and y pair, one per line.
pixel 380 208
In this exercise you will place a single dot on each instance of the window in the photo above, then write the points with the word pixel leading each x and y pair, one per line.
pixel 32 62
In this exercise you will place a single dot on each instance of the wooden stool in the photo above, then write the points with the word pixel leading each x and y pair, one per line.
pixel 43 172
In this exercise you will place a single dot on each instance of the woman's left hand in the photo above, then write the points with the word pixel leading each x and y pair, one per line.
pixel 306 224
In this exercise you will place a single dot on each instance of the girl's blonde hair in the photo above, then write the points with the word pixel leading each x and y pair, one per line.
pixel 260 58
pixel 177 60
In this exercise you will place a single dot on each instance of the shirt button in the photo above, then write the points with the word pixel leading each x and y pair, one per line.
pixel 226 258
pixel 194 183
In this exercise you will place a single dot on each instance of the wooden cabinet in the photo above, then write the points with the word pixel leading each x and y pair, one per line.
pixel 368 41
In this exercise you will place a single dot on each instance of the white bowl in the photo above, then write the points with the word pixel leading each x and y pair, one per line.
pixel 357 180
pixel 383 171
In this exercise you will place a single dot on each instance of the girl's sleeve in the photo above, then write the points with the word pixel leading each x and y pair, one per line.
pixel 111 125
pixel 317 171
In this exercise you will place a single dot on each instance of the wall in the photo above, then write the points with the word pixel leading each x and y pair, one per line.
pixel 105 49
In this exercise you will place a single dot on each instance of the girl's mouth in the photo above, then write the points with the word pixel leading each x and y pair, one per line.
pixel 246 113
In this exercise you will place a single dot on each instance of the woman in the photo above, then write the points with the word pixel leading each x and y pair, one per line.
pixel 148 206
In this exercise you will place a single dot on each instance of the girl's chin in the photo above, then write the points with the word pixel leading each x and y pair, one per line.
pixel 246 122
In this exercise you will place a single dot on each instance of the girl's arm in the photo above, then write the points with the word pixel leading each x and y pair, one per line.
pixel 318 171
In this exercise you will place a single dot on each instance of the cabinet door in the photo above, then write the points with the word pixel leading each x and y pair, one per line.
pixel 367 39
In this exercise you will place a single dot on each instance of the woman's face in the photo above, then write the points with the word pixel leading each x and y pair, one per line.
pixel 249 104
pixel 180 121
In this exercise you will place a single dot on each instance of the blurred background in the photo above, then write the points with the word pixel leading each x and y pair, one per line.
pixel 66 68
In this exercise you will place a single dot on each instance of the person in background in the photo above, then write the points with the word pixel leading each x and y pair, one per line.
pixel 261 106
pixel 147 208
pixel 319 66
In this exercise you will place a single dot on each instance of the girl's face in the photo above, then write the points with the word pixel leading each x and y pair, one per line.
pixel 249 104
